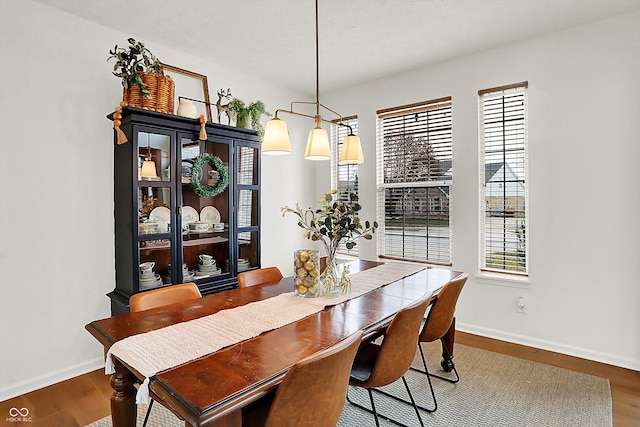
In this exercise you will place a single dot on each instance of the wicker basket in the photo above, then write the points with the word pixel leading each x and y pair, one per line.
pixel 151 81
pixel 166 91
pixel 133 96
pixel 161 88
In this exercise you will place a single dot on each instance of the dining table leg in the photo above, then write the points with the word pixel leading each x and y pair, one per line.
pixel 447 347
pixel 123 399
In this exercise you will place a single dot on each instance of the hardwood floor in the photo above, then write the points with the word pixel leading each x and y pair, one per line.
pixel 84 399
pixel 75 402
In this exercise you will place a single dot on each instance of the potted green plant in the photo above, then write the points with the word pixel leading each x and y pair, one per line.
pixel 132 62
pixel 242 113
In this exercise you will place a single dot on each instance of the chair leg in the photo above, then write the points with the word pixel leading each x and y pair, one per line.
pixel 146 417
pixel 413 402
pixel 373 406
pixel 455 371
pixel 373 409
pixel 425 371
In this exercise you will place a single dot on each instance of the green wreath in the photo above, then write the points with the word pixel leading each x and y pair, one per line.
pixel 217 165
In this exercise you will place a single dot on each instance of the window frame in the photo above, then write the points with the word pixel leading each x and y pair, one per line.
pixel 521 166
pixel 435 106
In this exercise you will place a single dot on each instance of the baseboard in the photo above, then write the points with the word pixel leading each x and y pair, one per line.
pixel 12 390
pixel 583 353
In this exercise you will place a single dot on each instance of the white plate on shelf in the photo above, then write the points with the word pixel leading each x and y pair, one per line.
pixel 189 214
pixel 149 285
pixel 154 278
pixel 210 215
pixel 160 213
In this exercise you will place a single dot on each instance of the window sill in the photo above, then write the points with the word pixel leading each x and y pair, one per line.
pixel 499 279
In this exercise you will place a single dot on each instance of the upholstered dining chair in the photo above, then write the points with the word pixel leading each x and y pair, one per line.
pixel 377 365
pixel 158 298
pixel 436 325
pixel 259 276
pixel 163 296
pixel 312 392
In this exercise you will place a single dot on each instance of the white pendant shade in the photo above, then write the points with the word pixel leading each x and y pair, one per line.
pixel 276 138
pixel 148 169
pixel 318 145
pixel 351 151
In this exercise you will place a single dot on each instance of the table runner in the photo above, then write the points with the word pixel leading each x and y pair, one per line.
pixel 174 345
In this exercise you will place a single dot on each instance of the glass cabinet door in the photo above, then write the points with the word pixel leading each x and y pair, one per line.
pixel 154 161
pixel 155 198
pixel 204 220
pixel 248 204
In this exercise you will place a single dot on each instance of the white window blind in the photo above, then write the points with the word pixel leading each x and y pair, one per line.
pixel 414 153
pixel 504 179
pixel 344 178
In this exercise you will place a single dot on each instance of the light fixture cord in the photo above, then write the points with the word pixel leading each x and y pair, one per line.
pixel 317 73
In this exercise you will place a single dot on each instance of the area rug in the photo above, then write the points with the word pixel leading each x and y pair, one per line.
pixel 494 391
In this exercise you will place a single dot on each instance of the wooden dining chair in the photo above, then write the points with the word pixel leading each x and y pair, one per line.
pixel 159 298
pixel 377 365
pixel 312 392
pixel 436 325
pixel 259 276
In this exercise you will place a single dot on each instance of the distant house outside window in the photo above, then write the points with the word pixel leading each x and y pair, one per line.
pixel 504 180
pixel 414 181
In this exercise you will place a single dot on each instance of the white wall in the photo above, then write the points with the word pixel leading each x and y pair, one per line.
pixel 56 187
pixel 583 296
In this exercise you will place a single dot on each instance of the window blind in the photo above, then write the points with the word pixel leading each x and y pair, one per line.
pixel 246 172
pixel 344 178
pixel 504 179
pixel 414 166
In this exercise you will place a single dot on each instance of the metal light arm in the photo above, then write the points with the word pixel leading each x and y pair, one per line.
pixel 316 118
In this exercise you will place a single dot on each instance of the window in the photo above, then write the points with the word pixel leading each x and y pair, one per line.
pixel 344 178
pixel 414 181
pixel 503 179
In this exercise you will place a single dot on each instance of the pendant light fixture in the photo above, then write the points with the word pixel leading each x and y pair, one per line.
pixel 148 169
pixel 276 136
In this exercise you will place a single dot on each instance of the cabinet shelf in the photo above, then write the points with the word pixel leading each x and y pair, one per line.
pixel 205 241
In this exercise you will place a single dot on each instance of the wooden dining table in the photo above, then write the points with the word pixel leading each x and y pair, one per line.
pixel 212 390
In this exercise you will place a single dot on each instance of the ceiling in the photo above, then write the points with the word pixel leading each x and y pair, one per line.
pixel 359 40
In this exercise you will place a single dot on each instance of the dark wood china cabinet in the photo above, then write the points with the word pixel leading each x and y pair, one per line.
pixel 167 234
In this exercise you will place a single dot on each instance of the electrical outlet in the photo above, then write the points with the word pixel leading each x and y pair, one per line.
pixel 521 305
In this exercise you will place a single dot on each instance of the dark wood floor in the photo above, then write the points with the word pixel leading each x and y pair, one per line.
pixel 84 399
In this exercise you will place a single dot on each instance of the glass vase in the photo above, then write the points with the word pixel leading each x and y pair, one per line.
pixel 335 279
pixel 306 264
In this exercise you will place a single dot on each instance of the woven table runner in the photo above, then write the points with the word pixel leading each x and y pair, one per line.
pixel 174 345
